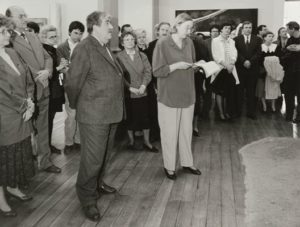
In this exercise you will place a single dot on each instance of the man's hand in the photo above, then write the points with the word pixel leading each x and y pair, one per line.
pixel 247 64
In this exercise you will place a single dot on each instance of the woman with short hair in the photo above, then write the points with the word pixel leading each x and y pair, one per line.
pixel 173 59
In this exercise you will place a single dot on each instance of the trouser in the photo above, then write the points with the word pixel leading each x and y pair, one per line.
pixel 176 127
pixel 71 126
pixel 248 81
pixel 96 146
pixel 50 124
pixel 292 90
pixel 41 123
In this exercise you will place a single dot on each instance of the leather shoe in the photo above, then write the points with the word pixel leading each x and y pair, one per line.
pixel 54 150
pixel 106 189
pixel 170 176
pixel 196 133
pixel 53 169
pixel 152 149
pixel 10 213
pixel 192 171
pixel 92 213
pixel 24 198
pixel 68 149
pixel 77 146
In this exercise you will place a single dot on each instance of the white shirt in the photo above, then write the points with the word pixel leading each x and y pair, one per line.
pixel 72 45
pixel 247 37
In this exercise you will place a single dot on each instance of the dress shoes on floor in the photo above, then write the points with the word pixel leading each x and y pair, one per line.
pixel 92 213
pixel 53 169
pixel 171 176
pixel 151 149
pixel 106 189
pixel 252 116
pixel 24 198
pixel 8 214
pixel 196 133
pixel 54 150
pixel 68 149
pixel 192 171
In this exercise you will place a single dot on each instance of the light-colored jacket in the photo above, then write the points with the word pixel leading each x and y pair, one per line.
pixel 218 53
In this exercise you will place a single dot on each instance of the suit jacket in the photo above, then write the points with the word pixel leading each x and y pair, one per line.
pixel 94 84
pixel 63 51
pixel 13 94
pixel 251 53
pixel 34 55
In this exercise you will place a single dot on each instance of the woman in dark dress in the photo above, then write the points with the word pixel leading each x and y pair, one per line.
pixel 57 99
pixel 136 64
pixel 16 109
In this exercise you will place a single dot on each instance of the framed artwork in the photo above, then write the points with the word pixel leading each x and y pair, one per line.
pixel 204 19
pixel 40 21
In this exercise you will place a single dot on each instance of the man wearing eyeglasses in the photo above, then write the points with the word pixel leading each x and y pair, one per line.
pixel 40 63
pixel 94 85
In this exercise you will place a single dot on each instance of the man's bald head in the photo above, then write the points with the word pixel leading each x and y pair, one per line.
pixel 18 15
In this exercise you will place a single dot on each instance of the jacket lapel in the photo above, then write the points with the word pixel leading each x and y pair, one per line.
pixel 102 50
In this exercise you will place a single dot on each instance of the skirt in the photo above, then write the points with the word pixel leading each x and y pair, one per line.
pixel 137 110
pixel 223 83
pixel 16 164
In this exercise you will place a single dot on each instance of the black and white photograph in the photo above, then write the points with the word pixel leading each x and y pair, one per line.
pixel 149 113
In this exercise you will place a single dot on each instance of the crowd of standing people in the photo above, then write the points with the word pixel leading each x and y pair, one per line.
pixel 157 88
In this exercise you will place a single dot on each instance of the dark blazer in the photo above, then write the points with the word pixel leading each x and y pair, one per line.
pixel 94 84
pixel 63 51
pixel 13 94
pixel 33 53
pixel 251 53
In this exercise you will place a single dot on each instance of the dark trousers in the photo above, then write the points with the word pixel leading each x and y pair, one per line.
pixel 50 124
pixel 248 81
pixel 96 146
pixel 292 90
pixel 41 124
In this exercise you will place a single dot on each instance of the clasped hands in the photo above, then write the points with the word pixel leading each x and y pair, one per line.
pixel 138 91
pixel 29 110
pixel 42 77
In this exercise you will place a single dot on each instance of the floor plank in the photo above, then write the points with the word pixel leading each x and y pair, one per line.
pixel 145 196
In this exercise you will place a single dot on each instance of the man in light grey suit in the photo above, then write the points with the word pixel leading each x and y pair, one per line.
pixel 40 63
pixel 94 85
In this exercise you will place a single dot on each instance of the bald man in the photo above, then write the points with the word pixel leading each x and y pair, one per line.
pixel 40 63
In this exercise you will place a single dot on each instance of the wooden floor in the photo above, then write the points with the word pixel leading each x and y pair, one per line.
pixel 146 197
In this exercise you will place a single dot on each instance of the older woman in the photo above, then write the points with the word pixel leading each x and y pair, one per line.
pixel 138 68
pixel 172 64
pixel 48 37
pixel 16 109
pixel 225 54
pixel 141 39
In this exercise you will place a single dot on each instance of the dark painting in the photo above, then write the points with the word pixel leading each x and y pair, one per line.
pixel 204 19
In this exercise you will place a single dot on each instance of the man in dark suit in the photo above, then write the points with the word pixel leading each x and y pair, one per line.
pixel 39 62
pixel 94 85
pixel 248 47
pixel 64 51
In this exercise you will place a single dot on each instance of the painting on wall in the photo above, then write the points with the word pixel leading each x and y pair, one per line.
pixel 40 21
pixel 204 19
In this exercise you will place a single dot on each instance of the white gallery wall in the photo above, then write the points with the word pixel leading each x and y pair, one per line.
pixel 58 12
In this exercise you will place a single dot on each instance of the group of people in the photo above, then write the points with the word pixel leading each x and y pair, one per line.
pixel 156 88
